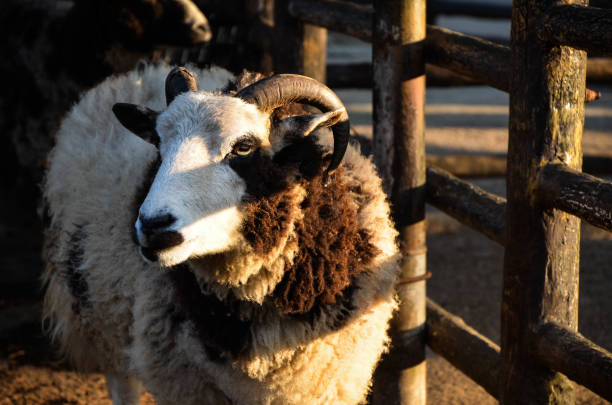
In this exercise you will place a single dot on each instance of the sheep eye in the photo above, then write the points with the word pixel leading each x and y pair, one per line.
pixel 243 148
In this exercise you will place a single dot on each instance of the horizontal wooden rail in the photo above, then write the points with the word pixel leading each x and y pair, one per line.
pixel 575 356
pixel 467 203
pixel 470 165
pixel 345 17
pixel 472 353
pixel 579 194
pixel 482 60
pixel 488 165
pixel 599 70
pixel 471 56
pixel 479 59
pixel 580 27
pixel 469 8
pixel 359 75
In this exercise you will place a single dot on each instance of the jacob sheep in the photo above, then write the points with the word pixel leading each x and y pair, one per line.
pixel 267 256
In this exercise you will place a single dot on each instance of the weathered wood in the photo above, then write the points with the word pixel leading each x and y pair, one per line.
pixel 541 261
pixel 599 70
pixel 350 75
pixel 597 165
pixel 345 16
pixel 359 75
pixel 467 203
pixel 340 16
pixel 399 152
pixel 481 60
pixel 470 8
pixel 577 193
pixel 488 165
pixel 575 356
pixel 299 47
pixel 485 61
pixel 471 165
pixel 464 347
pixel 581 27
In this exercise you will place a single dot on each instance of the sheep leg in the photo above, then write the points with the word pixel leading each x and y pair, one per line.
pixel 123 389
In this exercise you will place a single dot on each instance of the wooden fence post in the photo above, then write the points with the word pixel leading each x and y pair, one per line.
pixel 299 47
pixel 399 151
pixel 542 245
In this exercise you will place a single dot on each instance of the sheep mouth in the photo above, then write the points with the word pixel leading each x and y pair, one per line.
pixel 148 254
pixel 156 243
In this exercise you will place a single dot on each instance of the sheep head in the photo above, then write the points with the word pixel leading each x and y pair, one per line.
pixel 209 145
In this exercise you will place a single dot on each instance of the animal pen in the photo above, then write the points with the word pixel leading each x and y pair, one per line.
pixel 538 224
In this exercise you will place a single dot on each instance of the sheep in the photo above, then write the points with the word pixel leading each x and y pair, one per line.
pixel 55 50
pixel 230 253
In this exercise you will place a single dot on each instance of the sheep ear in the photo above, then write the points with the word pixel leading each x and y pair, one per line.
pixel 303 125
pixel 139 120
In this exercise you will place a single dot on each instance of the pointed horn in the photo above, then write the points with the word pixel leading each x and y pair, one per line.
pixel 178 81
pixel 284 89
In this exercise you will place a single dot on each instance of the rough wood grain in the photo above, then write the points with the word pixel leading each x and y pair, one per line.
pixel 577 193
pixel 399 152
pixel 331 13
pixel 541 261
pixel 467 203
pixel 489 165
pixel 359 75
pixel 464 347
pixel 581 27
pixel 575 356
pixel 476 58
pixel 470 8
pixel 298 47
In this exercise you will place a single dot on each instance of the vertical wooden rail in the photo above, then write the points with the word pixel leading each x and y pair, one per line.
pixel 542 248
pixel 299 47
pixel 399 127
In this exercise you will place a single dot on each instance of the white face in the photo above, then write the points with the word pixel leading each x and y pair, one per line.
pixel 195 184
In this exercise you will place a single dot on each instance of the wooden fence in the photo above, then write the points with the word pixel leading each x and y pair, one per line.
pixel 538 224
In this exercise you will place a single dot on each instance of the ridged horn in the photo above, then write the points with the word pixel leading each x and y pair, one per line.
pixel 178 81
pixel 283 89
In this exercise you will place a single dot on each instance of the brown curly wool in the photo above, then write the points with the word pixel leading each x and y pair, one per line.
pixel 333 249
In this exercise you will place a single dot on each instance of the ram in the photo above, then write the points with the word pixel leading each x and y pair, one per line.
pixel 231 253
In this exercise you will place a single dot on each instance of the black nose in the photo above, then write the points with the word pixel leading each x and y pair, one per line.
pixel 156 224
pixel 156 235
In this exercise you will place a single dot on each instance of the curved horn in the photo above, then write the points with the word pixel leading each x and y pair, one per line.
pixel 178 81
pixel 283 89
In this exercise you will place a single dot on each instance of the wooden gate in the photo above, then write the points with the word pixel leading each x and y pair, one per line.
pixel 544 72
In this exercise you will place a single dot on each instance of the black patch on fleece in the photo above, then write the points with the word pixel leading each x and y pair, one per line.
pixel 224 335
pixel 77 284
pixel 268 205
